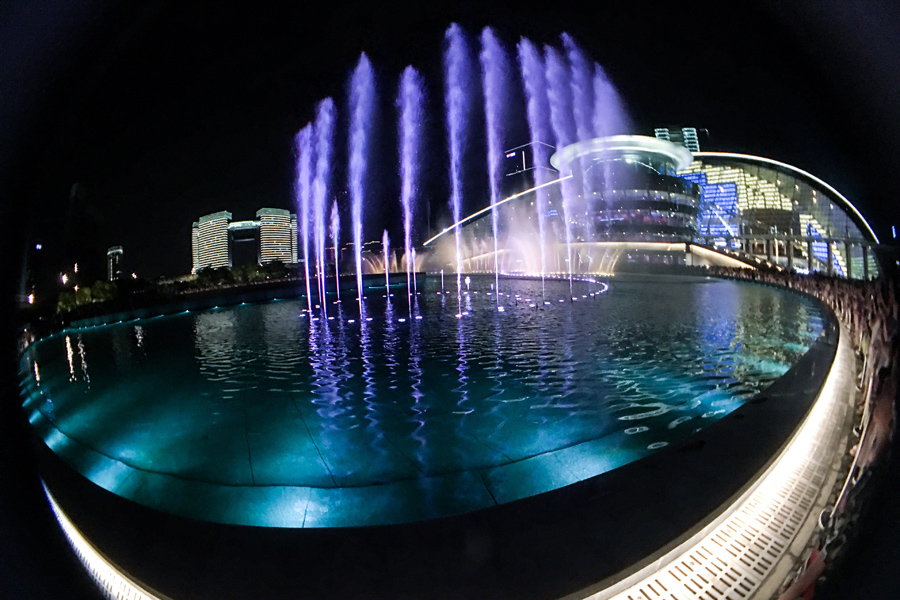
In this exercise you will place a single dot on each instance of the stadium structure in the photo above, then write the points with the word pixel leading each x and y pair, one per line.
pixel 622 200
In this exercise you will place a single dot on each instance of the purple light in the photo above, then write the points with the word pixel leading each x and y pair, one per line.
pixel 324 133
pixel 410 101
pixel 457 80
pixel 582 88
pixel 302 190
pixel 559 94
pixel 534 78
pixel 336 240
pixel 609 115
pixel 386 245
pixel 494 69
pixel 362 99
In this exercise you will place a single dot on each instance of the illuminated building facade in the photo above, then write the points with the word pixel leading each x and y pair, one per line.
pixel 213 247
pixel 627 195
pixel 114 263
pixel 627 189
pixel 277 235
pixel 685 136
pixel 214 238
pixel 776 212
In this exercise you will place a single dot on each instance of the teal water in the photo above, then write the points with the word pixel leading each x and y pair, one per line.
pixel 259 414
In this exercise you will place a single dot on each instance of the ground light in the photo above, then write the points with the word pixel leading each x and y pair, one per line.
pixel 739 551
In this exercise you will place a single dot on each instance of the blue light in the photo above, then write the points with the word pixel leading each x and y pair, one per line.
pixel 718 204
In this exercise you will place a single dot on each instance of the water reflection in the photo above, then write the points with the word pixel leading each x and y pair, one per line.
pixel 271 394
pixel 70 355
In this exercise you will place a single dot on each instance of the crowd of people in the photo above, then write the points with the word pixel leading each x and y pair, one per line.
pixel 871 313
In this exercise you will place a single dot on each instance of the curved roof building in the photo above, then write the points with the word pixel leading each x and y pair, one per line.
pixel 770 208
pixel 645 199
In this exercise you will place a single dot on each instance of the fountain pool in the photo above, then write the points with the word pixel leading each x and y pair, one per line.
pixel 265 414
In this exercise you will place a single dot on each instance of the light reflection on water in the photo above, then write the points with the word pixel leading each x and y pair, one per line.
pixel 260 394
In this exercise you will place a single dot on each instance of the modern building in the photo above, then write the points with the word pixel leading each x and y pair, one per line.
pixel 213 248
pixel 628 188
pixel 114 263
pixel 217 241
pixel 660 199
pixel 684 136
pixel 277 235
pixel 776 212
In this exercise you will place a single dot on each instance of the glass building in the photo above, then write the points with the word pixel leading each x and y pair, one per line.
pixel 648 199
pixel 216 240
pixel 774 211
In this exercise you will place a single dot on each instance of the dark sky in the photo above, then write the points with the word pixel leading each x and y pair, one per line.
pixel 163 111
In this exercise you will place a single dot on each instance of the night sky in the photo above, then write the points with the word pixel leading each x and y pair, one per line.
pixel 164 111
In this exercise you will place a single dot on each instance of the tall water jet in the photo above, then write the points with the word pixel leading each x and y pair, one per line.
pixel 324 134
pixel 457 78
pixel 609 115
pixel 534 80
pixel 415 284
pixel 410 102
pixel 494 74
pixel 336 240
pixel 303 143
pixel 582 99
pixel 559 95
pixel 582 89
pixel 362 100
pixel 386 246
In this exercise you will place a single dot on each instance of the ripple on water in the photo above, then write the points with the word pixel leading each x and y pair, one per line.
pixel 378 399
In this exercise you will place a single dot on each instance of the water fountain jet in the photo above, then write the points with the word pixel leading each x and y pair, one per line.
pixel 362 99
pixel 410 101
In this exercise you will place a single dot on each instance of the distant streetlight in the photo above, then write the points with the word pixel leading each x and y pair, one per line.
pixel 65 279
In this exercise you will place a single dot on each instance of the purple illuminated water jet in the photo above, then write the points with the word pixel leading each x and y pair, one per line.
pixel 494 75
pixel 457 82
pixel 324 134
pixel 609 115
pixel 582 98
pixel 362 100
pixel 303 143
pixel 410 102
pixel 568 98
pixel 559 95
pixel 582 89
pixel 386 245
pixel 336 240
pixel 534 81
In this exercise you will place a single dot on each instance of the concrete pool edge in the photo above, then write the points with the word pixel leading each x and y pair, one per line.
pixel 525 546
pixel 760 539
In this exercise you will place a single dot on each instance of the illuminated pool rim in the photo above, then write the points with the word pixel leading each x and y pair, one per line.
pixel 547 546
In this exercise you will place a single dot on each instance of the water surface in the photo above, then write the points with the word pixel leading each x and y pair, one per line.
pixel 262 414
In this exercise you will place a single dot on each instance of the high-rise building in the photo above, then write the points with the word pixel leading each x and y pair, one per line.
pixel 293 238
pixel 273 234
pixel 114 263
pixel 213 244
pixel 686 136
pixel 195 247
pixel 275 239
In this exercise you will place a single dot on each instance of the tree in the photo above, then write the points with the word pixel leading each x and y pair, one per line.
pixel 104 291
pixel 83 296
pixel 65 303
pixel 275 269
